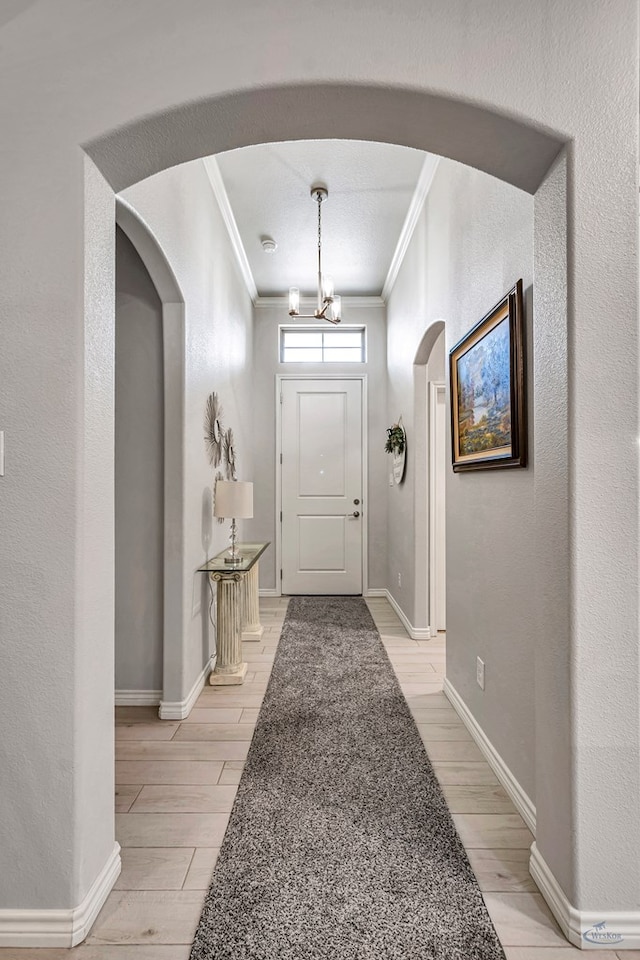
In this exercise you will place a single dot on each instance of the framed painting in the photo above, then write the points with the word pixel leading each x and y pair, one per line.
pixel 488 390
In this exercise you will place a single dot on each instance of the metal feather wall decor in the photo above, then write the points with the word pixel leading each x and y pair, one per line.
pixel 213 429
pixel 230 455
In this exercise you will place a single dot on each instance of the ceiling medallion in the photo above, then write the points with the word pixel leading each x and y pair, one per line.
pixel 329 303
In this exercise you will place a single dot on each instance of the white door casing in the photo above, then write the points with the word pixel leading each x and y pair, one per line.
pixel 437 529
pixel 321 478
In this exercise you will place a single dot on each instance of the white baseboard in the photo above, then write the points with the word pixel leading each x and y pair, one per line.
pixel 586 929
pixel 416 633
pixel 180 709
pixel 60 928
pixel 138 698
pixel 268 592
pixel 521 800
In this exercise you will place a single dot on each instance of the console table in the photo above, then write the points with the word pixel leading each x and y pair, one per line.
pixel 238 616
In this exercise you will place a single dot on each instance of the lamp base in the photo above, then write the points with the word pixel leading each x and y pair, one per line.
pixel 233 560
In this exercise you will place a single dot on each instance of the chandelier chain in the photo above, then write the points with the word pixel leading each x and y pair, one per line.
pixel 328 307
pixel 319 198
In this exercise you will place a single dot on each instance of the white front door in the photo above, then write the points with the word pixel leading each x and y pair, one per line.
pixel 322 509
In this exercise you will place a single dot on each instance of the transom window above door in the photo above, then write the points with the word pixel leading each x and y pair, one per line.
pixel 311 344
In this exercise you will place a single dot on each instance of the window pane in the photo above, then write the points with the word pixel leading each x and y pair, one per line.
pixel 304 355
pixel 350 338
pixel 319 345
pixel 343 355
pixel 295 338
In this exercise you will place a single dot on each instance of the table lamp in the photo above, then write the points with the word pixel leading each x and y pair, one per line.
pixel 233 499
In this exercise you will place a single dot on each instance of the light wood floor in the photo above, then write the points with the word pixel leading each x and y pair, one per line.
pixel 176 783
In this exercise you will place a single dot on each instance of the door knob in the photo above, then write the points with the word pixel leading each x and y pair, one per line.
pixel 356 513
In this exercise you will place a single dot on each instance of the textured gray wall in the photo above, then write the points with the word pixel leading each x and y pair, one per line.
pixel 181 210
pixel 139 477
pixel 491 558
pixel 139 60
pixel 473 241
pixel 550 414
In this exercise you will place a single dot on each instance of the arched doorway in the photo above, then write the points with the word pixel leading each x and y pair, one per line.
pixel 139 482
pixel 172 303
pixel 429 378
pixel 104 152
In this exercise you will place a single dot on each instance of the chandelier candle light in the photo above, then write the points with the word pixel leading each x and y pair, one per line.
pixel 329 303
pixel 234 499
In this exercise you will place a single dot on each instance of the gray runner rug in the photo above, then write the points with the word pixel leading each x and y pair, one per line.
pixel 340 845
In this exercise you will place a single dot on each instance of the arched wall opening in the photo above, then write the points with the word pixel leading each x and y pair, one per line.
pixel 507 147
pixel 400 117
pixel 427 370
pixel 138 482
pixel 492 141
pixel 173 339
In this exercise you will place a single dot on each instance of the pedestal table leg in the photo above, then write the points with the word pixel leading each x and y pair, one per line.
pixel 229 668
pixel 252 629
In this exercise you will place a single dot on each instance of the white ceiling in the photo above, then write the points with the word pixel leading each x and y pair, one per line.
pixel 371 186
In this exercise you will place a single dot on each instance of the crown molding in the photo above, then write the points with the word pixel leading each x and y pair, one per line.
pixel 310 302
pixel 220 193
pixel 423 186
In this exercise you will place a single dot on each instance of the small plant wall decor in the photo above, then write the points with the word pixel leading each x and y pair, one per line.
pixel 396 444
pixel 395 439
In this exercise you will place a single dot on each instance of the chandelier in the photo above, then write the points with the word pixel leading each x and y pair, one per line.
pixel 329 303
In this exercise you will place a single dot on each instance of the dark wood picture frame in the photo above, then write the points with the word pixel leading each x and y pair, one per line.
pixel 477 366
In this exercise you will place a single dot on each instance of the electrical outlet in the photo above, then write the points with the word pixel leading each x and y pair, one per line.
pixel 480 672
pixel 400 580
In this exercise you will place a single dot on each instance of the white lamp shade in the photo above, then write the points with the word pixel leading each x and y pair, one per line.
pixel 234 498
